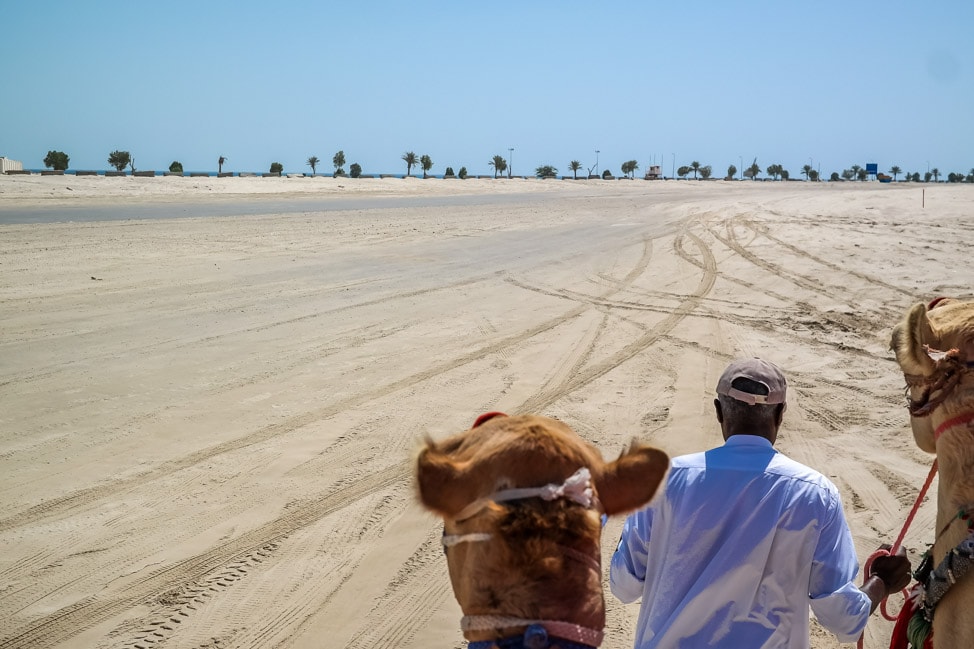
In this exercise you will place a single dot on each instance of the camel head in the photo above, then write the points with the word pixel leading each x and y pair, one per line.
pixel 934 346
pixel 521 499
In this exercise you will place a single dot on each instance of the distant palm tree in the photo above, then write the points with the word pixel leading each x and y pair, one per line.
pixel 895 171
pixel 499 164
pixel 753 171
pixel 633 167
pixel 855 171
pixel 807 171
pixel 774 171
pixel 313 162
pixel 731 172
pixel 410 159
pixel 339 161
pixel 219 164
pixel 575 165
pixel 696 167
pixel 427 163
pixel 936 174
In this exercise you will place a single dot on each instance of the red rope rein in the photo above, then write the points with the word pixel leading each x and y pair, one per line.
pixel 867 568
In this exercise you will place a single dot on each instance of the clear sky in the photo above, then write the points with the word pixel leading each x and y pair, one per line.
pixel 834 83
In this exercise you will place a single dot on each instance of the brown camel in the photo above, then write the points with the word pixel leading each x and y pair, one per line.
pixel 934 345
pixel 521 499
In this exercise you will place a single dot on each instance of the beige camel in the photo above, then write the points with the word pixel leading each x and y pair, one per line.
pixel 934 346
pixel 521 498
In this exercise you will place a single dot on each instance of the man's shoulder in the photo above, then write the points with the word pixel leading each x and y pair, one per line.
pixel 775 463
pixel 688 460
pixel 786 466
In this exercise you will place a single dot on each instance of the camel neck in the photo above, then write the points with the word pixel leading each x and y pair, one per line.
pixel 955 457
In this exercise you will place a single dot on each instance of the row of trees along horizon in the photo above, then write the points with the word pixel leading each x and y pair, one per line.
pixel 58 160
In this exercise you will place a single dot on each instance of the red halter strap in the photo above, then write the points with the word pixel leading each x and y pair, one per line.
pixel 934 302
pixel 487 416
pixel 950 423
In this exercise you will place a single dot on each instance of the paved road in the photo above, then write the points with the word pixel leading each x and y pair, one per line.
pixel 245 207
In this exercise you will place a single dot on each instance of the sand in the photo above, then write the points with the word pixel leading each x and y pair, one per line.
pixel 207 424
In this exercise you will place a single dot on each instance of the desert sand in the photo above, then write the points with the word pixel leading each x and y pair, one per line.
pixel 207 423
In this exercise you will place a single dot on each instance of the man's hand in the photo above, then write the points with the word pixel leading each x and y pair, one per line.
pixel 888 574
pixel 894 569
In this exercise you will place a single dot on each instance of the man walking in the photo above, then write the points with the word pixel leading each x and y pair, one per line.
pixel 744 540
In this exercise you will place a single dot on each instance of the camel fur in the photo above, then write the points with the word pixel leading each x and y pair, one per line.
pixel 542 560
pixel 948 324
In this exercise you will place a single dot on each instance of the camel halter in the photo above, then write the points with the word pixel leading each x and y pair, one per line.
pixel 949 369
pixel 577 488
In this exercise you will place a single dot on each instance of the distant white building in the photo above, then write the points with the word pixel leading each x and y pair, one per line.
pixel 6 164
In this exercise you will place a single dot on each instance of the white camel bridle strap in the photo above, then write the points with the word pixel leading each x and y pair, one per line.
pixel 449 540
pixel 566 630
pixel 577 487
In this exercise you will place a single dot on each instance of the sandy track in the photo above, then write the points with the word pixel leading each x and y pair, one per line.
pixel 208 423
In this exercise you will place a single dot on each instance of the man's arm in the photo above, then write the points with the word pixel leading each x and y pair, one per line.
pixel 842 607
pixel 839 605
pixel 627 572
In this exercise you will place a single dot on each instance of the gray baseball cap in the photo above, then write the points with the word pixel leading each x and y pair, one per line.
pixel 759 371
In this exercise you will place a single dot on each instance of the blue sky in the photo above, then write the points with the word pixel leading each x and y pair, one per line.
pixel 834 83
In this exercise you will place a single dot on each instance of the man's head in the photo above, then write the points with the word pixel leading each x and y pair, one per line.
pixel 751 398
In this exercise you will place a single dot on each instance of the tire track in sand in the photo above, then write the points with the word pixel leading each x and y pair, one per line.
pixel 69 502
pixel 71 620
pixel 801 252
pixel 548 395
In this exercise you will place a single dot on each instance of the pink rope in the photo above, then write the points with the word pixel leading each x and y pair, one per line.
pixel 916 507
pixel 867 569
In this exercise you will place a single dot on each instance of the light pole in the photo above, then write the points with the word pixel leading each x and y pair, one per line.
pixel 673 168
pixel 742 166
pixel 510 163
pixel 597 162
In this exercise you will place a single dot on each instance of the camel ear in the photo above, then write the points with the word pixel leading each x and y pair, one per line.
pixel 909 337
pixel 444 485
pixel 631 481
